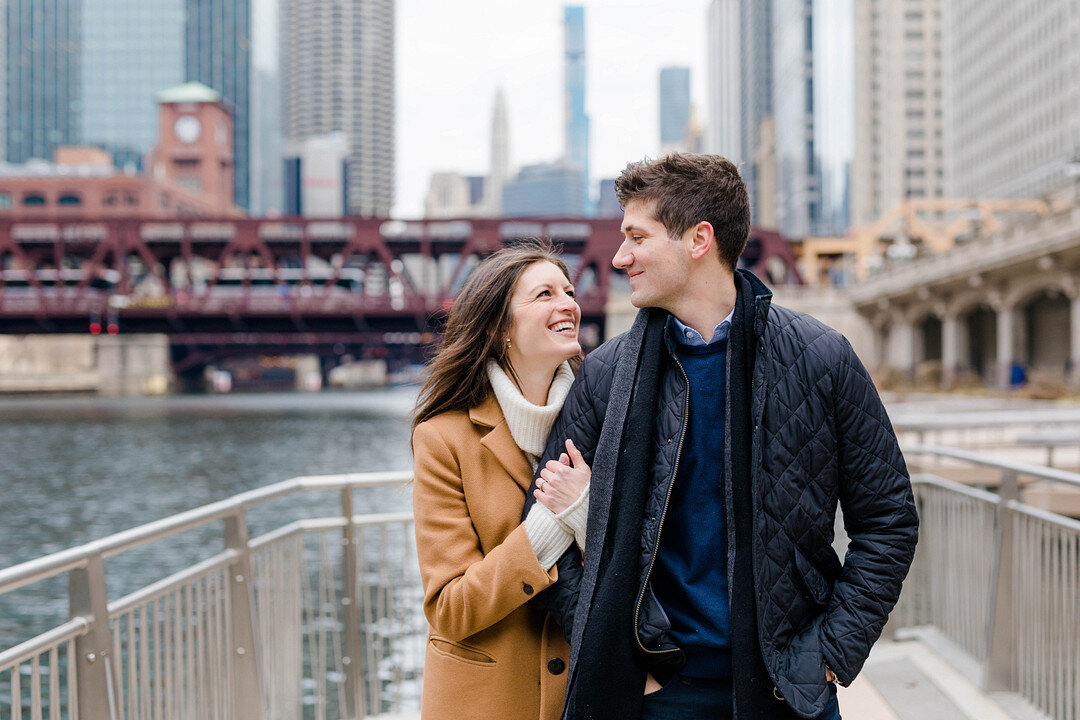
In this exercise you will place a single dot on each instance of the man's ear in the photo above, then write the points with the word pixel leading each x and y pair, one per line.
pixel 702 240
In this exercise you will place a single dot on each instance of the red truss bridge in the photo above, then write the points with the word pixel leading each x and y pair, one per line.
pixel 283 283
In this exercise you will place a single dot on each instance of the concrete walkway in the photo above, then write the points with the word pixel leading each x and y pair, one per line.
pixel 906 680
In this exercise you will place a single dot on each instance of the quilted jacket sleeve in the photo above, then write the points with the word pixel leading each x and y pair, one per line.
pixel 580 420
pixel 879 517
pixel 465 591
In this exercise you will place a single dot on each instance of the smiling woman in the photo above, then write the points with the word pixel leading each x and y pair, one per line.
pixel 493 392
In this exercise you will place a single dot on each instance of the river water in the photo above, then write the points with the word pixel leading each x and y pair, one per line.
pixel 75 470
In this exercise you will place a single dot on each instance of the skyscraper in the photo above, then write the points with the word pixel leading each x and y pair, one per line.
pixel 337 74
pixel 814 114
pixel 724 78
pixel 546 189
pixel 43 92
pixel 740 96
pixel 576 121
pixel 1012 98
pixel 899 144
pixel 218 55
pixel 674 108
pixel 131 50
pixel 500 157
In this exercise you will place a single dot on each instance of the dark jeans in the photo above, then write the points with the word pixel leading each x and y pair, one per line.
pixel 684 698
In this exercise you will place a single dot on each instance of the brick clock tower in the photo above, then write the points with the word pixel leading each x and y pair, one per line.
pixel 195 142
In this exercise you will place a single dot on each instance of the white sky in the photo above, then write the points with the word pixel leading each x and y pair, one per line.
pixel 451 56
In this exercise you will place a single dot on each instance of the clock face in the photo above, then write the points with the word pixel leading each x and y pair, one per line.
pixel 187 128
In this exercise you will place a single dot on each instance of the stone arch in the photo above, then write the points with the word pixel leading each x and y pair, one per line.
pixel 1025 290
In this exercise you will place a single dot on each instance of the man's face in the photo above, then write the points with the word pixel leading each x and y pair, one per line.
pixel 656 264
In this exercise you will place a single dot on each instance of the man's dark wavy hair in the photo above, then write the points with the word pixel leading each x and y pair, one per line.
pixel 689 188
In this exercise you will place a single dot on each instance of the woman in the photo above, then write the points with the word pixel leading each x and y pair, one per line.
pixel 484 414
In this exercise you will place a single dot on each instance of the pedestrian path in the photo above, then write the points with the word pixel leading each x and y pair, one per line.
pixel 907 680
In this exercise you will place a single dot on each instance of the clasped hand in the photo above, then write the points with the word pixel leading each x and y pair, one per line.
pixel 561 481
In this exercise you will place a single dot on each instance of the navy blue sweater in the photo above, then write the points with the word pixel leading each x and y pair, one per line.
pixel 690 573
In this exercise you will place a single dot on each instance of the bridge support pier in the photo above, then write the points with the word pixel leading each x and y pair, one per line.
pixel 133 364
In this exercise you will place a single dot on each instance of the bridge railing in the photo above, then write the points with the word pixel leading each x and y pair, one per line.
pixel 319 618
pixel 1000 579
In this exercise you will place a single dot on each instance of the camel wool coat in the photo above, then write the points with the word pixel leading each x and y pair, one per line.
pixel 491 653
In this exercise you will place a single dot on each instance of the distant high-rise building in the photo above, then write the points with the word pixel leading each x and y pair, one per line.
pixel 724 78
pixel 546 189
pixel 267 186
pixel 218 55
pixel 131 50
pixel 315 176
pixel 449 196
pixel 337 74
pixel 576 121
pixel 500 157
pixel 899 146
pixel 674 108
pixel 1012 97
pixel 813 104
pixel 740 94
pixel 43 92
pixel 608 206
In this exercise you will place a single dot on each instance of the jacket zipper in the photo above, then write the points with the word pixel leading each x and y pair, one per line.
pixel 663 514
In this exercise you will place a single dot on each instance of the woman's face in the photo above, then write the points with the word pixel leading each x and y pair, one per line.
pixel 544 318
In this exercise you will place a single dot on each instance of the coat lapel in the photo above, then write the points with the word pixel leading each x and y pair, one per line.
pixel 500 443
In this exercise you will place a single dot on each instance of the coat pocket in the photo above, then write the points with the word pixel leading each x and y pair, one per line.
pixel 816 587
pixel 461 651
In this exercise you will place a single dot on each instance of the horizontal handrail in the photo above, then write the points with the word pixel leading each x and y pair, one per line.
pixel 155 590
pixel 953 486
pixel 70 630
pixel 976 420
pixel 73 558
pixel 1039 471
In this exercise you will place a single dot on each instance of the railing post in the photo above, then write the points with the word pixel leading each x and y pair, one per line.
pixel 1001 635
pixel 353 665
pixel 246 681
pixel 97 689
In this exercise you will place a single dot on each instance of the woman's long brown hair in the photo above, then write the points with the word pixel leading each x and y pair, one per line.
pixel 476 330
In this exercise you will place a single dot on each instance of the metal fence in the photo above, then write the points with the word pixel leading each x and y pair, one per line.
pixel 1001 580
pixel 319 619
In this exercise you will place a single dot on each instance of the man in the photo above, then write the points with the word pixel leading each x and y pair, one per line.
pixel 722 432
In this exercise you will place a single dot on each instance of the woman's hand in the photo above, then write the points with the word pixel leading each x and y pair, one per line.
pixel 562 481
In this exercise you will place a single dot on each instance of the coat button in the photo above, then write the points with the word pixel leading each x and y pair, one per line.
pixel 527 588
pixel 556 666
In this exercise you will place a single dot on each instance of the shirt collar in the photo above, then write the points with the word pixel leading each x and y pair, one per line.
pixel 690 336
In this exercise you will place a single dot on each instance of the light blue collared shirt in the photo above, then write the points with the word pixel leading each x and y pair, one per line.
pixel 690 336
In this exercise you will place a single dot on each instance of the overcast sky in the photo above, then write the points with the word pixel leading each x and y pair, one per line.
pixel 452 55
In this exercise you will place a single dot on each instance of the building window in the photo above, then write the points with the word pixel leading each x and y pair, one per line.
pixel 69 199
pixel 33 200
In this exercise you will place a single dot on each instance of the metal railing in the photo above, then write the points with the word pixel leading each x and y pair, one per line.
pixel 320 618
pixel 1001 580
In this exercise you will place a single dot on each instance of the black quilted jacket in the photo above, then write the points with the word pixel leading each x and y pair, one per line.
pixel 821 435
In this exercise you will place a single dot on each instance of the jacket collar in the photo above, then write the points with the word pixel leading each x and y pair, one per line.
pixel 761 303
pixel 500 443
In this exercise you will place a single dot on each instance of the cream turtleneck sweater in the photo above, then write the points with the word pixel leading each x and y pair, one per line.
pixel 549 533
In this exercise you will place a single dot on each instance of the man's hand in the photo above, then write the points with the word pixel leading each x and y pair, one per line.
pixel 830 676
pixel 562 481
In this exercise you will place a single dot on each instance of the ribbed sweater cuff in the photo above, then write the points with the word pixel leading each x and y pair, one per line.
pixel 576 517
pixel 548 537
